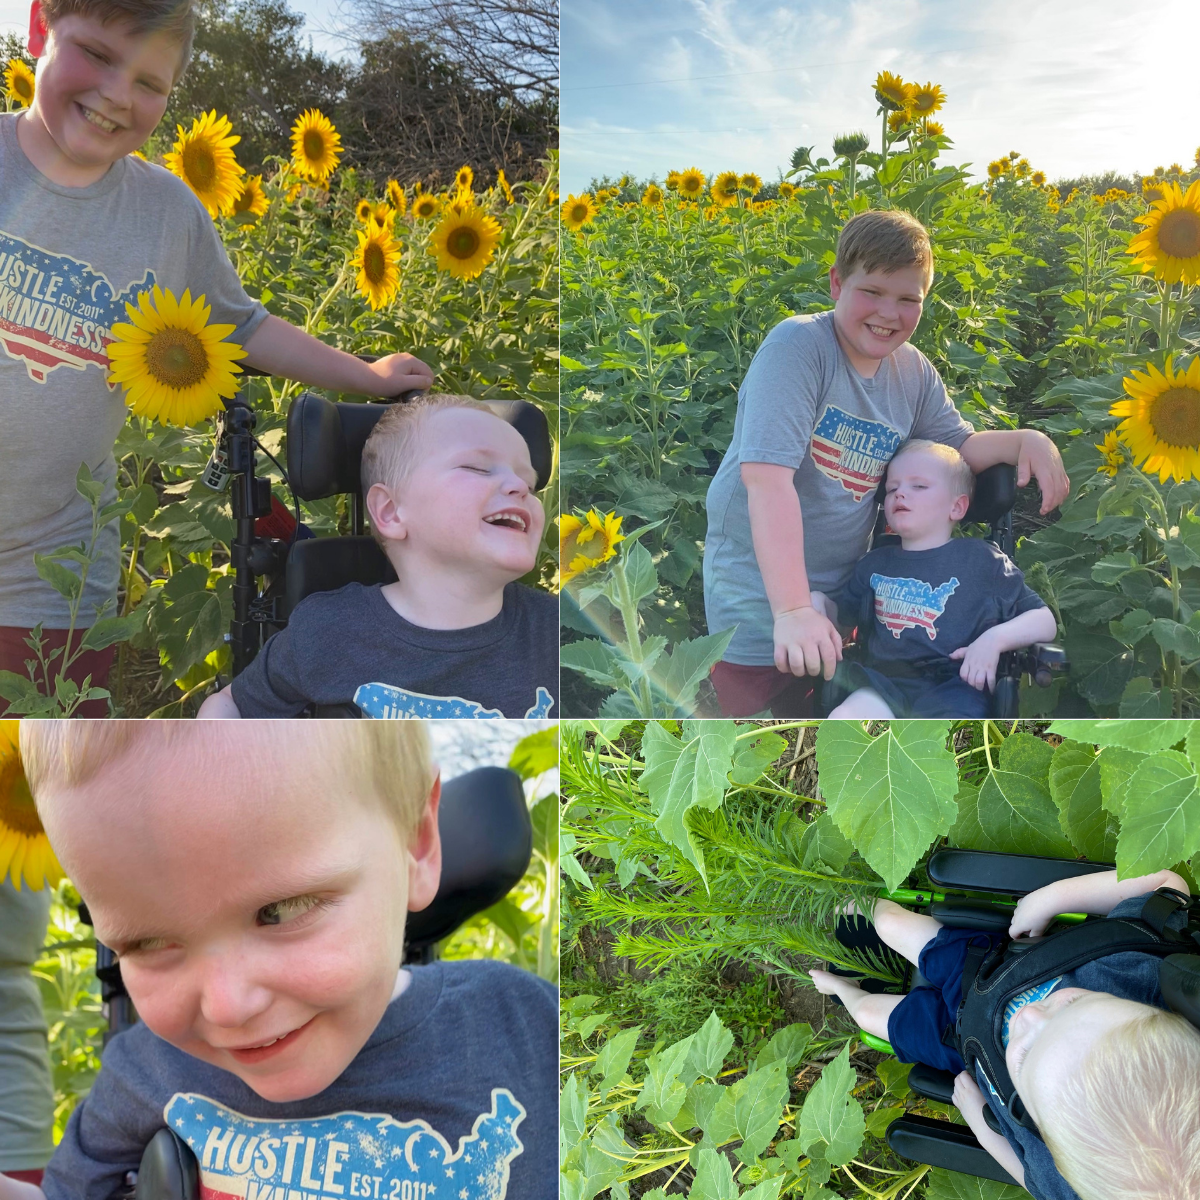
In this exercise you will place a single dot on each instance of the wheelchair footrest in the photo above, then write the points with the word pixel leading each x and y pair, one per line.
pixel 940 1144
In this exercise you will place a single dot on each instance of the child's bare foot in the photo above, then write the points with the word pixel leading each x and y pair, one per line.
pixel 827 983
pixel 850 909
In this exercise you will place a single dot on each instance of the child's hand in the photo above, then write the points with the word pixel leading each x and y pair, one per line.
pixel 968 1099
pixel 806 643
pixel 401 373
pixel 1030 917
pixel 979 661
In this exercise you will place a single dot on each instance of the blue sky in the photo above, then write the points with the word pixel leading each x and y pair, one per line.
pixel 1077 86
pixel 322 18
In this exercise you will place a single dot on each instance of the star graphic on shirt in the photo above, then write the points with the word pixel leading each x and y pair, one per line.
pixel 483 1144
pixel 466 1158
pixel 179 1122
pixel 433 1152
pixel 449 1172
pixel 432 1188
pixel 462 1195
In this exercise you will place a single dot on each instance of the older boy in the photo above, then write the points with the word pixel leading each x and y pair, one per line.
pixel 450 493
pixel 825 403
pixel 84 228
pixel 259 916
pixel 1101 1082
pixel 932 602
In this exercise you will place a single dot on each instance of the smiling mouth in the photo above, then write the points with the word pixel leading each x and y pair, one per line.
pixel 879 331
pixel 94 118
pixel 509 520
pixel 264 1050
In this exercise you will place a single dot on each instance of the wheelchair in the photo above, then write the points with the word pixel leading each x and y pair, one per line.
pixel 324 453
pixel 487 843
pixel 991 506
pixel 988 886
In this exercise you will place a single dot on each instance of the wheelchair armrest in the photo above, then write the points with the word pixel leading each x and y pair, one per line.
pixel 169 1170
pixel 940 1144
pixel 972 914
pixel 931 1083
pixel 1009 874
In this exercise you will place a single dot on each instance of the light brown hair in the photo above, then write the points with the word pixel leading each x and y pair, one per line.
pixel 176 18
pixel 959 475
pixel 884 240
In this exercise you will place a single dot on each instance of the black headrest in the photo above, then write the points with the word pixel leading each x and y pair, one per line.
pixel 487 841
pixel 995 493
pixel 325 441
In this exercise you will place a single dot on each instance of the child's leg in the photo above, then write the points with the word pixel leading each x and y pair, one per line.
pixel 865 704
pixel 869 1011
pixel 905 931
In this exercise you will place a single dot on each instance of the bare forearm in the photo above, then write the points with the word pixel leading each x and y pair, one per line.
pixel 998 1147
pixel 1101 892
pixel 777 530
pixel 14 1189
pixel 1037 625
pixel 283 349
pixel 220 706
pixel 992 446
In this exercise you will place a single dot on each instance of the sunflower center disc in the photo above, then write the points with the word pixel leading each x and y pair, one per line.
pixel 314 146
pixel 22 88
pixel 17 809
pixel 1179 233
pixel 176 358
pixel 374 263
pixel 462 243
pixel 1175 416
pixel 199 166
pixel 579 212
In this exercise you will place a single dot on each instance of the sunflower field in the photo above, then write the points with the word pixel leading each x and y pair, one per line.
pixel 1071 310
pixel 465 279
pixel 705 863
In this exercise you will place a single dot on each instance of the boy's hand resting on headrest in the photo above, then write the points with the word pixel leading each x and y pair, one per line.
pixel 400 373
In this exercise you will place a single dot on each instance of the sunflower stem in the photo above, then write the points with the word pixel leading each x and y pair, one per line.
pixel 633 642
pixel 310 324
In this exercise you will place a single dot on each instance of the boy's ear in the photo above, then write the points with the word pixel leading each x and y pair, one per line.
pixel 37 30
pixel 425 853
pixel 835 283
pixel 385 513
pixel 958 509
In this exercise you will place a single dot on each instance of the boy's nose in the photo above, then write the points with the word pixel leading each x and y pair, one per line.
pixel 230 999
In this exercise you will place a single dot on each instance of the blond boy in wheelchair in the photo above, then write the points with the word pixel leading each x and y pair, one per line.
pixel 936 611
pixel 255 882
pixel 449 489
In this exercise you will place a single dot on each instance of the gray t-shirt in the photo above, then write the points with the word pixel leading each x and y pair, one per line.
pixel 351 646
pixel 70 259
pixel 453 1097
pixel 26 1090
pixel 802 405
pixel 1129 976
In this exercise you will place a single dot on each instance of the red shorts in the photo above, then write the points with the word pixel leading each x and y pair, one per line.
pixel 746 691
pixel 96 663
pixel 25 1176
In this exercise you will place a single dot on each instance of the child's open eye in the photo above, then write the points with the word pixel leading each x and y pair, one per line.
pixel 283 912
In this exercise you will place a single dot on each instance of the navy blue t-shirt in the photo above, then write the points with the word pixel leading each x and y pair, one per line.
pixel 915 607
pixel 1128 976
pixel 453 1097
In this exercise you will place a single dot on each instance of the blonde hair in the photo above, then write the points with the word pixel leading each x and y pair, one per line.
pixel 959 475
pixel 1132 1129
pixel 390 452
pixel 389 761
pixel 176 18
pixel 884 240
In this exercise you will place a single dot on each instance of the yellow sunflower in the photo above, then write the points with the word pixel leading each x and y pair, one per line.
pixel 927 100
pixel 363 210
pixel 1021 168
pixel 175 367
pixel 1112 454
pixel 316 146
pixel 1162 420
pixel 892 92
pixel 1151 189
pixel 1170 243
pixel 672 181
pixel 1038 179
pixel 503 184
pixel 653 196
pixel 787 190
pixel 25 852
pixel 377 261
pixel 18 82
pixel 898 120
pixel 396 197
pixel 383 216
pixel 251 200
pixel 465 242
pixel 934 129
pixel 578 211
pixel 204 160
pixel 691 183
pixel 724 189
pixel 586 541
pixel 750 183
pixel 425 206
pixel 464 178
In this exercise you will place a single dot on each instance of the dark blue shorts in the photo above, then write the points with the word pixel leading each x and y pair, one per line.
pixel 910 697
pixel 916 1025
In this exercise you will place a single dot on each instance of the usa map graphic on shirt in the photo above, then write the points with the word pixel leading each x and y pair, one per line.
pixel 56 311
pixel 346 1155
pixel 386 702
pixel 853 450
pixel 902 604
